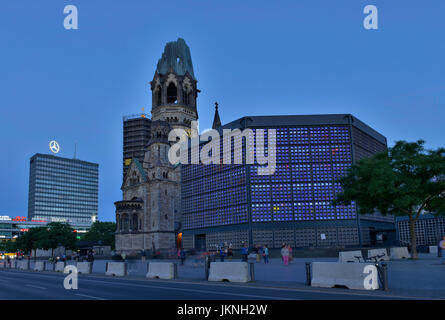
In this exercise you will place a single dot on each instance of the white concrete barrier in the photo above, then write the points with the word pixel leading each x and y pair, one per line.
pixel 161 270
pixel 60 266
pixel 350 256
pixel 39 266
pixel 13 264
pixel 23 264
pixel 229 271
pixel 379 252
pixel 433 249
pixel 84 267
pixel 399 253
pixel 360 276
pixel 116 269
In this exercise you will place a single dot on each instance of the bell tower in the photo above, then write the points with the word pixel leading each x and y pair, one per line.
pixel 174 87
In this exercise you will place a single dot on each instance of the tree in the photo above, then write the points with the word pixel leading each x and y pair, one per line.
pixel 59 234
pixel 404 181
pixel 101 231
pixel 29 240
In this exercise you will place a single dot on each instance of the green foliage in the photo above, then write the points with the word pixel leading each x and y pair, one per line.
pixel 8 246
pixel 402 182
pixel 101 231
pixel 405 181
pixel 49 237
pixel 61 234
pixel 29 240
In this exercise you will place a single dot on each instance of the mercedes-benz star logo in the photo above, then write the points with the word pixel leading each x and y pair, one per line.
pixel 54 146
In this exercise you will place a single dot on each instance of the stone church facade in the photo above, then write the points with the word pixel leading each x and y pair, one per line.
pixel 148 218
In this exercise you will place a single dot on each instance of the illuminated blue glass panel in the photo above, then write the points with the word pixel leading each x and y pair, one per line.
pixel 282 136
pixel 303 192
pixel 282 174
pixel 301 172
pixel 346 212
pixel 340 170
pixel 319 135
pixel 324 211
pixel 304 211
pixel 281 192
pixel 339 134
pixel 299 154
pixel 320 153
pixel 323 191
pixel 341 153
pixel 282 212
pixel 260 193
pixel 282 154
pixel 261 212
pixel 322 172
pixel 299 135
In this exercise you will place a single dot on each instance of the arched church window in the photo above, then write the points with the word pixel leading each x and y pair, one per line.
pixel 125 223
pixel 172 93
pixel 134 226
pixel 118 223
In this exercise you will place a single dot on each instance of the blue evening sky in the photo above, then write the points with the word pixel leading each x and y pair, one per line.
pixel 257 57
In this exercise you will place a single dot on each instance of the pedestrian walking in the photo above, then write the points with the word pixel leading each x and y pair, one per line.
pixel 442 249
pixel 266 254
pixel 285 255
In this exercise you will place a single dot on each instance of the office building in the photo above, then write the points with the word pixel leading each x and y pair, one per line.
pixel 63 190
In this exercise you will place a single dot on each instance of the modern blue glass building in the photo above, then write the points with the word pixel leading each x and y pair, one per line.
pixel 63 190
pixel 233 204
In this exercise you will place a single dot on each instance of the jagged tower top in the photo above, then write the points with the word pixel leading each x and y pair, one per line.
pixel 176 56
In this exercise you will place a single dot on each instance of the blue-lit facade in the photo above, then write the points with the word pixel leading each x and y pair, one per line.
pixel 63 190
pixel 233 204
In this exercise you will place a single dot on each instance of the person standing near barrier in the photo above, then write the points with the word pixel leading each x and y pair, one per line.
pixel 230 253
pixel 282 246
pixel 244 252
pixel 222 254
pixel 259 254
pixel 289 248
pixel 442 249
pixel 266 254
pixel 285 255
pixel 182 256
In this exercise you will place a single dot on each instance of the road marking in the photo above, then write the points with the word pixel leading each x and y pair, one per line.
pixel 295 290
pixel 37 287
pixel 198 291
pixel 87 296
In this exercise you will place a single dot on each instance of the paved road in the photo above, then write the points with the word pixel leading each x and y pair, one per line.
pixel 32 285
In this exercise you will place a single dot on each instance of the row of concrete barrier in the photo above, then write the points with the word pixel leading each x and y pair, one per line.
pixel 362 276
pixel 219 271
pixel 380 254
pixel 83 267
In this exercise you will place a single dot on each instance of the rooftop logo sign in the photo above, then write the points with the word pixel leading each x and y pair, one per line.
pixel 54 147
